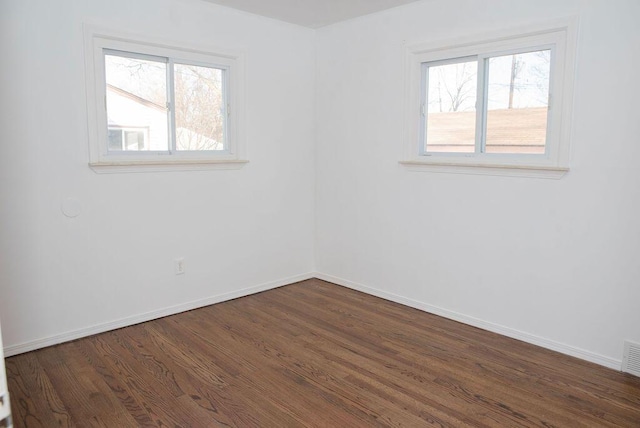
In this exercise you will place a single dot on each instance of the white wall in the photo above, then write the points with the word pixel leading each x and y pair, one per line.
pixel 236 229
pixel 551 261
pixel 554 262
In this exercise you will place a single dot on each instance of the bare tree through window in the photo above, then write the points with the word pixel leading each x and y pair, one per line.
pixel 199 108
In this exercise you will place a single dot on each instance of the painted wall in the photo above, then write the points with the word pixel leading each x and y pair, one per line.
pixel 552 261
pixel 236 229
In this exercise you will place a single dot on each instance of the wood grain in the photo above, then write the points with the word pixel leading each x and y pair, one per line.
pixel 318 355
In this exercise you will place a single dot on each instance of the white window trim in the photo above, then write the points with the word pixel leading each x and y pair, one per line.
pixel 97 39
pixel 562 36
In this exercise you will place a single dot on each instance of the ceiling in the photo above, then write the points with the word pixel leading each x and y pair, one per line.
pixel 311 13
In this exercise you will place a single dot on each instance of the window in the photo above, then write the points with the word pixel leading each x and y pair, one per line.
pixel 155 106
pixel 499 104
pixel 127 139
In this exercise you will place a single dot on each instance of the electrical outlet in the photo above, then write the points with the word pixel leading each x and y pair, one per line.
pixel 178 266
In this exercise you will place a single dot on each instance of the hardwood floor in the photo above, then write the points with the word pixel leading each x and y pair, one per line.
pixel 313 354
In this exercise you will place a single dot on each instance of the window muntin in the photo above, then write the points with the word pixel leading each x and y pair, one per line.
pixel 488 104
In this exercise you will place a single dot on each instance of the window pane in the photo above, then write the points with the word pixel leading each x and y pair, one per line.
pixel 200 107
pixel 115 139
pixel 518 103
pixel 136 98
pixel 134 140
pixel 451 107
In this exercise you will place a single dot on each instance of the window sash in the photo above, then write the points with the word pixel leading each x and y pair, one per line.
pixel 225 107
pixel 170 97
pixel 481 101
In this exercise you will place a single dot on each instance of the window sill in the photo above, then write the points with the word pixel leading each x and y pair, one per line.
pixel 530 171
pixel 155 166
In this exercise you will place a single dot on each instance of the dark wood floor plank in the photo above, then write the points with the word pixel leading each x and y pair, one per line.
pixel 310 347
pixel 580 408
pixel 35 397
pixel 154 396
pixel 89 401
pixel 117 384
pixel 551 382
pixel 203 382
pixel 252 406
pixel 405 377
pixel 278 352
pixel 422 382
pixel 279 383
pixel 462 361
pixel 318 355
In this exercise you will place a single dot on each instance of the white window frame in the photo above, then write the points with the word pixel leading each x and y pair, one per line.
pixel 560 37
pixel 99 41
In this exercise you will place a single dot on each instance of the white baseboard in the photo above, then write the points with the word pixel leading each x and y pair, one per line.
pixel 148 316
pixel 475 322
pixel 612 363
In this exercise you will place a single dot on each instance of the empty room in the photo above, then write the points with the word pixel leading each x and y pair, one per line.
pixel 320 213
